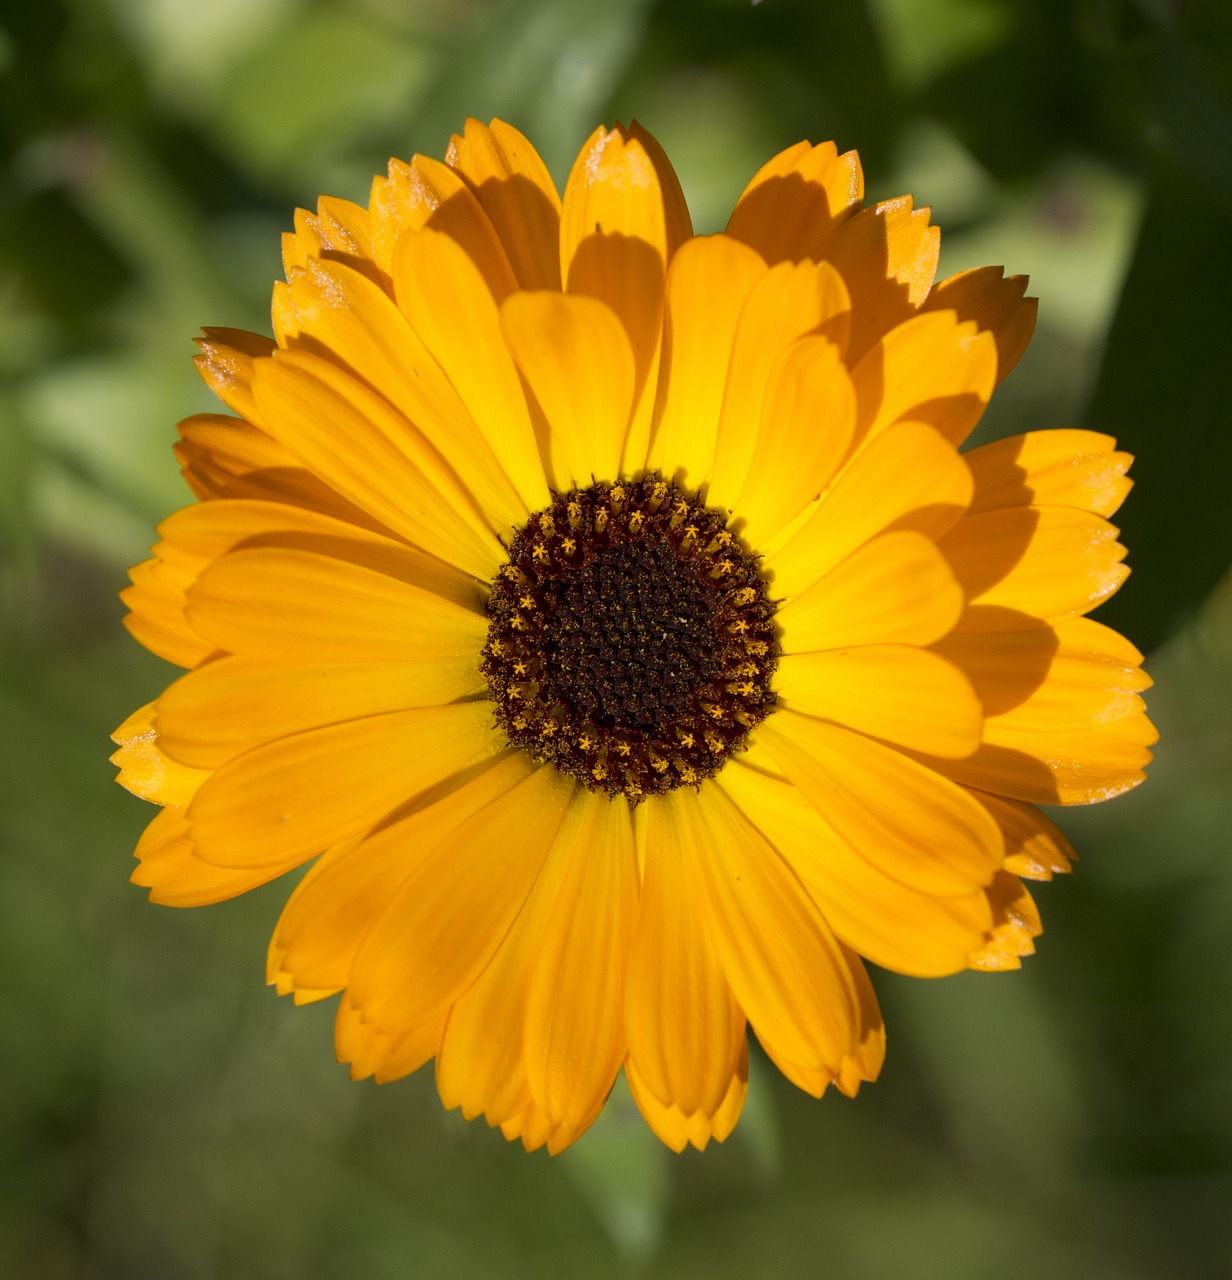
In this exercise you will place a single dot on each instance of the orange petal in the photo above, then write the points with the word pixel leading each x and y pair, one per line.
pixel 429 194
pixel 383 1054
pixel 866 1062
pixel 672 1127
pixel 340 231
pixel 996 303
pixel 176 877
pixel 796 200
pixel 156 617
pixel 299 606
pixel 895 926
pixel 708 282
pixel 527 1019
pixel 622 218
pixel 684 1028
pixel 930 368
pixel 808 420
pixel 896 589
pixel 787 302
pixel 515 190
pixel 1050 468
pixel 296 796
pixel 898 693
pixel 1058 767
pixel 372 455
pixel 784 965
pixel 455 314
pixel 908 477
pixel 338 903
pixel 145 769
pixel 442 927
pixel 1071 676
pixel 1048 562
pixel 905 818
pixel 228 707
pixel 225 458
pixel 195 536
pixel 225 364
pixel 574 1028
pixel 622 184
pixel 888 256
pixel 1016 925
pixel 575 356
pixel 1035 847
pixel 360 326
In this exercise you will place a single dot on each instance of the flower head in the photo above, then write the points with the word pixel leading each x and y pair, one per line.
pixel 610 613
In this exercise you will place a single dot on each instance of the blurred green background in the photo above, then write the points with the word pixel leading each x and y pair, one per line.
pixel 162 1114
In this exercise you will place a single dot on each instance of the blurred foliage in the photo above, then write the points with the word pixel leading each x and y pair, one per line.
pixel 161 1114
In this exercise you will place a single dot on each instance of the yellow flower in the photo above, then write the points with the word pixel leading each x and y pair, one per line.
pixel 610 613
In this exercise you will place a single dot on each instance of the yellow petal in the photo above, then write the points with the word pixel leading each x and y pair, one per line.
pixel 429 194
pixel 199 534
pixel 996 303
pixel 1071 676
pixel 228 707
pixel 277 603
pixel 1050 468
pixel 905 818
pixel 895 926
pixel 530 1124
pixel 865 1063
pixel 225 365
pixel 621 185
pixel 338 903
pixel 623 216
pixel 383 1054
pixel 1016 925
pixel 807 424
pixel 455 314
pixel 515 190
pixel 340 230
pixel 176 877
pixel 904 695
pixel 575 356
pixel 506 1025
pixel 1058 767
pixel 361 327
pixel 443 926
pixel 792 205
pixel 784 966
pixel 708 282
pixel 156 617
pixel 224 458
pixel 931 368
pixel 672 1127
pixel 896 589
pixel 372 455
pixel 574 1029
pixel 908 477
pixel 684 1028
pixel 298 795
pixel 888 256
pixel 195 536
pixel 789 301
pixel 1035 847
pixel 1048 562
pixel 145 769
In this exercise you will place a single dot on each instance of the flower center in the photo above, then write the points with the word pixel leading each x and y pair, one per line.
pixel 630 638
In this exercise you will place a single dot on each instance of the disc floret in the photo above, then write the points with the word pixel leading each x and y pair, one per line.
pixel 631 639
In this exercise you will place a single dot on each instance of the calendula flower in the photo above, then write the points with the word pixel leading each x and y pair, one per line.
pixel 610 613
